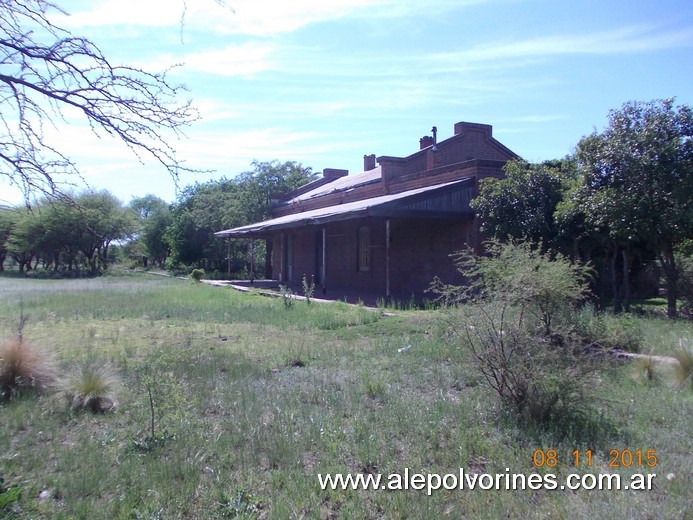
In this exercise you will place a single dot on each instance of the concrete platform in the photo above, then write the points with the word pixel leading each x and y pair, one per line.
pixel 271 288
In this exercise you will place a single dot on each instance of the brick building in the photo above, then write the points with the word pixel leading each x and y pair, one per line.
pixel 387 231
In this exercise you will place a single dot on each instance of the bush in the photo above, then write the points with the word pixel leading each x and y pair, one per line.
pixel 516 325
pixel 608 331
pixel 308 288
pixel 24 366
pixel 197 274
pixel 287 296
pixel 545 285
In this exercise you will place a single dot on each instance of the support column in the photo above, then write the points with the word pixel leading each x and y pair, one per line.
pixel 252 261
pixel 228 258
pixel 387 259
pixel 282 262
pixel 324 260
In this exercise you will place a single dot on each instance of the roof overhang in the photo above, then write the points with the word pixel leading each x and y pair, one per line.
pixel 444 201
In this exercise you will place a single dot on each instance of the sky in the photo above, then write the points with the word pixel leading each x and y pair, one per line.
pixel 325 82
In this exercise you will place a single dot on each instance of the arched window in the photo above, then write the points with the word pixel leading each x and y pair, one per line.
pixel 364 248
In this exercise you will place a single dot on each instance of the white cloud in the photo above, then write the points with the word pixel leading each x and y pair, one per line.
pixel 150 13
pixel 251 17
pixel 618 41
pixel 233 60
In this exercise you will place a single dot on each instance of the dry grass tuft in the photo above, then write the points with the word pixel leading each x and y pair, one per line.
pixel 645 368
pixel 684 369
pixel 92 387
pixel 23 367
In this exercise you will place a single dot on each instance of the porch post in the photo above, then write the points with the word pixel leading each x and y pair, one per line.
pixel 324 260
pixel 228 257
pixel 281 257
pixel 252 261
pixel 387 259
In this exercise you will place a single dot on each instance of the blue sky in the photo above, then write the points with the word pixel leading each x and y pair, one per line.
pixel 324 82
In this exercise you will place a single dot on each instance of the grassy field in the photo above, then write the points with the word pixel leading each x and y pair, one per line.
pixel 253 399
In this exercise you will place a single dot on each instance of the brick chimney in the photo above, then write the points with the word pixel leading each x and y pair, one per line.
pixel 368 162
pixel 426 141
pixel 334 173
pixel 464 127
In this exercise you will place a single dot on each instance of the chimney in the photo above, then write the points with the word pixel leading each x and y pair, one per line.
pixel 334 173
pixel 463 127
pixel 426 141
pixel 368 162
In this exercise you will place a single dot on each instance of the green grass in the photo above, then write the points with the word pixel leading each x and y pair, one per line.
pixel 249 427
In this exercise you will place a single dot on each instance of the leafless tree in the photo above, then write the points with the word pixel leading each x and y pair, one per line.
pixel 48 75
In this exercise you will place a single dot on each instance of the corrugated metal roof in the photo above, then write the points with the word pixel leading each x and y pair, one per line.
pixel 341 184
pixel 332 213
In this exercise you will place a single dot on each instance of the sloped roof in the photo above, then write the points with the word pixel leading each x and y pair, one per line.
pixel 342 184
pixel 373 206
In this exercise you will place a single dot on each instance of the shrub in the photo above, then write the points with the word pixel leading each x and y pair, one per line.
pixel 287 296
pixel 24 366
pixel 540 382
pixel 92 387
pixel 197 274
pixel 608 331
pixel 516 325
pixel 547 286
pixel 308 288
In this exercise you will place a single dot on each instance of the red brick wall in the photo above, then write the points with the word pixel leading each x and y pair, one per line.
pixel 419 251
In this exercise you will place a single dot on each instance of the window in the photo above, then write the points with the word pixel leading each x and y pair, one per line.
pixel 364 248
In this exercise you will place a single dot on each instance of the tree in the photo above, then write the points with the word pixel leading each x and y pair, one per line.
pixel 66 232
pixel 154 218
pixel 105 220
pixel 522 204
pixel 6 224
pixel 259 185
pixel 203 209
pixel 21 243
pixel 638 178
pixel 48 74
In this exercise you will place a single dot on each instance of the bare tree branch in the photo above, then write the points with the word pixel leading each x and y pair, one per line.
pixel 46 75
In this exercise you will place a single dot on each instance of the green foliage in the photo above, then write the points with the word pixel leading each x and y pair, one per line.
pixel 288 297
pixel 606 330
pixel 547 286
pixel 68 235
pixel 164 395
pixel 522 205
pixel 8 494
pixel 243 504
pixel 645 368
pixel 152 442
pixel 154 217
pixel 638 180
pixel 373 387
pixel 197 274
pixel 203 209
pixel 516 326
pixel 308 288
